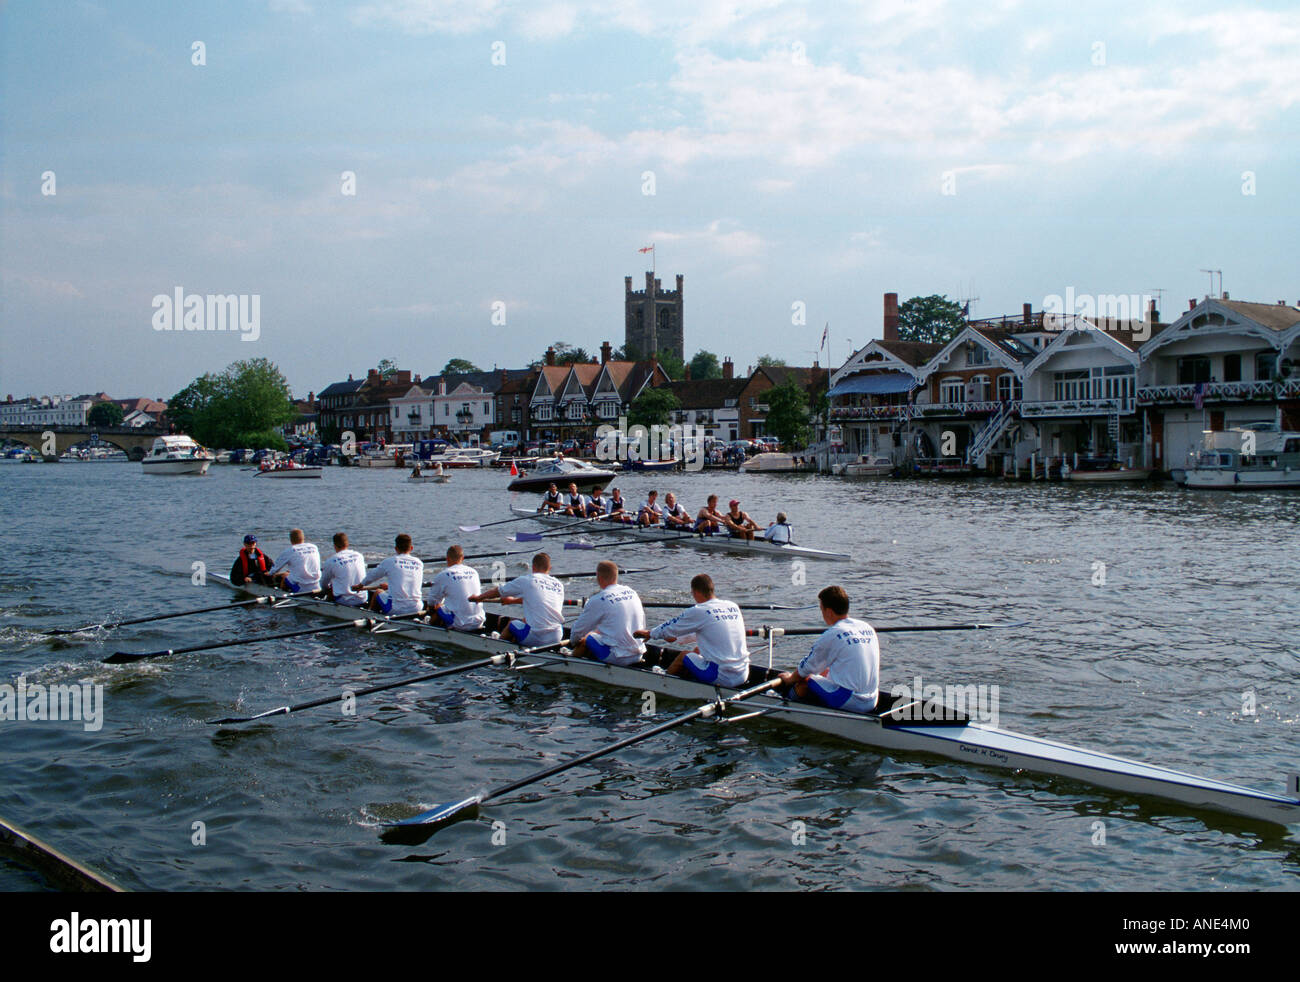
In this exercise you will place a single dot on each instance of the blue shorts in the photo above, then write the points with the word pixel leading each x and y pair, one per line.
pixel 520 630
pixel 700 669
pixel 597 647
pixel 385 602
pixel 836 696
pixel 291 586
pixel 446 616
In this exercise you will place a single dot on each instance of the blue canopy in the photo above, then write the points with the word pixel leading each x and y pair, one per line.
pixel 880 384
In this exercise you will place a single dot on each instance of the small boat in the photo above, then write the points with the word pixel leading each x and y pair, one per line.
pixel 467 457
pixel 433 476
pixel 941 467
pixel 771 463
pixel 562 471
pixel 1101 470
pixel 288 469
pixel 867 465
pixel 17 455
pixel 923 724
pixel 1255 457
pixel 649 465
pixel 172 455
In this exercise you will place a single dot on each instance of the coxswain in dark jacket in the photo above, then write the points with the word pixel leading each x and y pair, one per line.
pixel 251 564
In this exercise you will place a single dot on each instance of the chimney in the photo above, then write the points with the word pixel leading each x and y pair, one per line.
pixel 349 376
pixel 404 376
pixel 442 386
pixel 891 317
pixel 1225 295
pixel 311 396
pixel 550 356
pixel 372 373
pixel 1191 304
pixel 1153 315
pixel 1027 312
pixel 728 368
pixel 503 378
pixel 606 352
pixel 686 372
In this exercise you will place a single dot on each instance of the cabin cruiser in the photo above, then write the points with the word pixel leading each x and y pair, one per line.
pixel 176 455
pixel 1253 456
pixel 867 465
pixel 562 471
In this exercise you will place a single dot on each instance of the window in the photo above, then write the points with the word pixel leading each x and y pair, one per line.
pixel 446 409
pixel 1265 365
pixel 1009 388
pixel 1193 369
pixel 1232 368
pixel 487 409
pixel 977 354
pixel 952 390
pixel 1070 385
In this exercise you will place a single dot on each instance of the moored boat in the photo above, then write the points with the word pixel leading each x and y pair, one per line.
pixel 867 465
pixel 288 469
pixel 923 725
pixel 1103 470
pixel 171 455
pixel 770 463
pixel 1258 456
pixel 562 471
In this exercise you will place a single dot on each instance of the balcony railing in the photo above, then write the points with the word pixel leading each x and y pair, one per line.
pixel 974 408
pixel 1077 407
pixel 870 412
pixel 1220 392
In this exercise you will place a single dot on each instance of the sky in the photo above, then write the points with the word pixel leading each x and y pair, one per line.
pixel 793 161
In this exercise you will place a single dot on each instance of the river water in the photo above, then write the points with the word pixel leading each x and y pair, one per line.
pixel 1156 616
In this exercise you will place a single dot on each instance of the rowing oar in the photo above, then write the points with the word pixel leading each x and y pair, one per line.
pixel 566 529
pixel 776 632
pixel 414 830
pixel 452 670
pixel 621 572
pixel 158 617
pixel 488 525
pixel 120 657
pixel 681 606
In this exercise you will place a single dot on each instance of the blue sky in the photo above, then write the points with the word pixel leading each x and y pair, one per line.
pixel 798 153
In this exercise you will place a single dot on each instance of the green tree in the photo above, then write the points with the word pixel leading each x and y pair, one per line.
pixel 653 407
pixel 705 365
pixel 769 361
pixel 934 318
pixel 567 354
pixel 629 352
pixel 387 367
pixel 787 414
pixel 671 364
pixel 105 414
pixel 459 366
pixel 244 406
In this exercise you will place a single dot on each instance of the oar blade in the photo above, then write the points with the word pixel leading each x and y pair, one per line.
pixel 527 537
pixel 469 528
pixel 126 657
pixel 579 545
pixel 419 827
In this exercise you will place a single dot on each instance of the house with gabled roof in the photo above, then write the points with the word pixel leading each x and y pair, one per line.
pixel 1222 364
pixel 710 404
pixel 570 401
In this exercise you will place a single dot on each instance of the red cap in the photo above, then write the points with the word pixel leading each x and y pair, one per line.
pixel 733 502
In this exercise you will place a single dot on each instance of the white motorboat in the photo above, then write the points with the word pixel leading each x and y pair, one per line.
pixel 467 457
pixel 771 463
pixel 867 465
pixel 178 454
pixel 563 471
pixel 1254 457
pixel 288 469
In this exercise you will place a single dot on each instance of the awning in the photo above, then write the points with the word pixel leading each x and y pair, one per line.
pixel 879 384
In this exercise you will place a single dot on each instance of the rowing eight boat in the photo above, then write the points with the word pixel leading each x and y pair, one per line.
pixel 893 727
pixel 721 542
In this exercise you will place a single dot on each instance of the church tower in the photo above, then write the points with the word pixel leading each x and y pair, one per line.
pixel 653 317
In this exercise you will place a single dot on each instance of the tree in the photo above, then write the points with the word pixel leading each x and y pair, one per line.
pixel 769 361
pixel 459 366
pixel 671 364
pixel 629 352
pixel 105 414
pixel 934 318
pixel 243 406
pixel 705 365
pixel 787 413
pixel 653 407
pixel 387 367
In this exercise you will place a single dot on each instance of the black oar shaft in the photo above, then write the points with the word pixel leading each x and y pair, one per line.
pixel 127 656
pixel 160 617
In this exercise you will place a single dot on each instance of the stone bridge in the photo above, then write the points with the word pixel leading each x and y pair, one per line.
pixel 51 441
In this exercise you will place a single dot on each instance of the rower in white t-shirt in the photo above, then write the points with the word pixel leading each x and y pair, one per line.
pixel 718 630
pixel 341 570
pixel 779 531
pixel 297 569
pixel 452 594
pixel 397 582
pixel 542 597
pixel 606 628
pixel 843 669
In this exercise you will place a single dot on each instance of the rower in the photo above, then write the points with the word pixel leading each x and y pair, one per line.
pixel 618 507
pixel 341 570
pixel 300 563
pixel 415 471
pixel 542 596
pixel 575 503
pixel 718 629
pixel 675 516
pixel 551 500
pixel 597 504
pixel 605 630
pixel 709 520
pixel 739 523
pixel 843 669
pixel 779 531
pixel 398 582
pixel 251 564
pixel 650 513
pixel 453 594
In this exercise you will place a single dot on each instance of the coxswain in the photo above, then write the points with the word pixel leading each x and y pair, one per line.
pixel 597 504
pixel 575 502
pixel 452 593
pixel 542 597
pixel 718 631
pixel 843 669
pixel 341 570
pixel 397 582
pixel 738 523
pixel 606 628
pixel 651 513
pixel 709 520
pixel 675 516
pixel 779 531
pixel 415 471
pixel 251 564
pixel 551 500
pixel 297 569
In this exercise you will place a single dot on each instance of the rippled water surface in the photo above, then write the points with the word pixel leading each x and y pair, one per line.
pixel 1197 607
